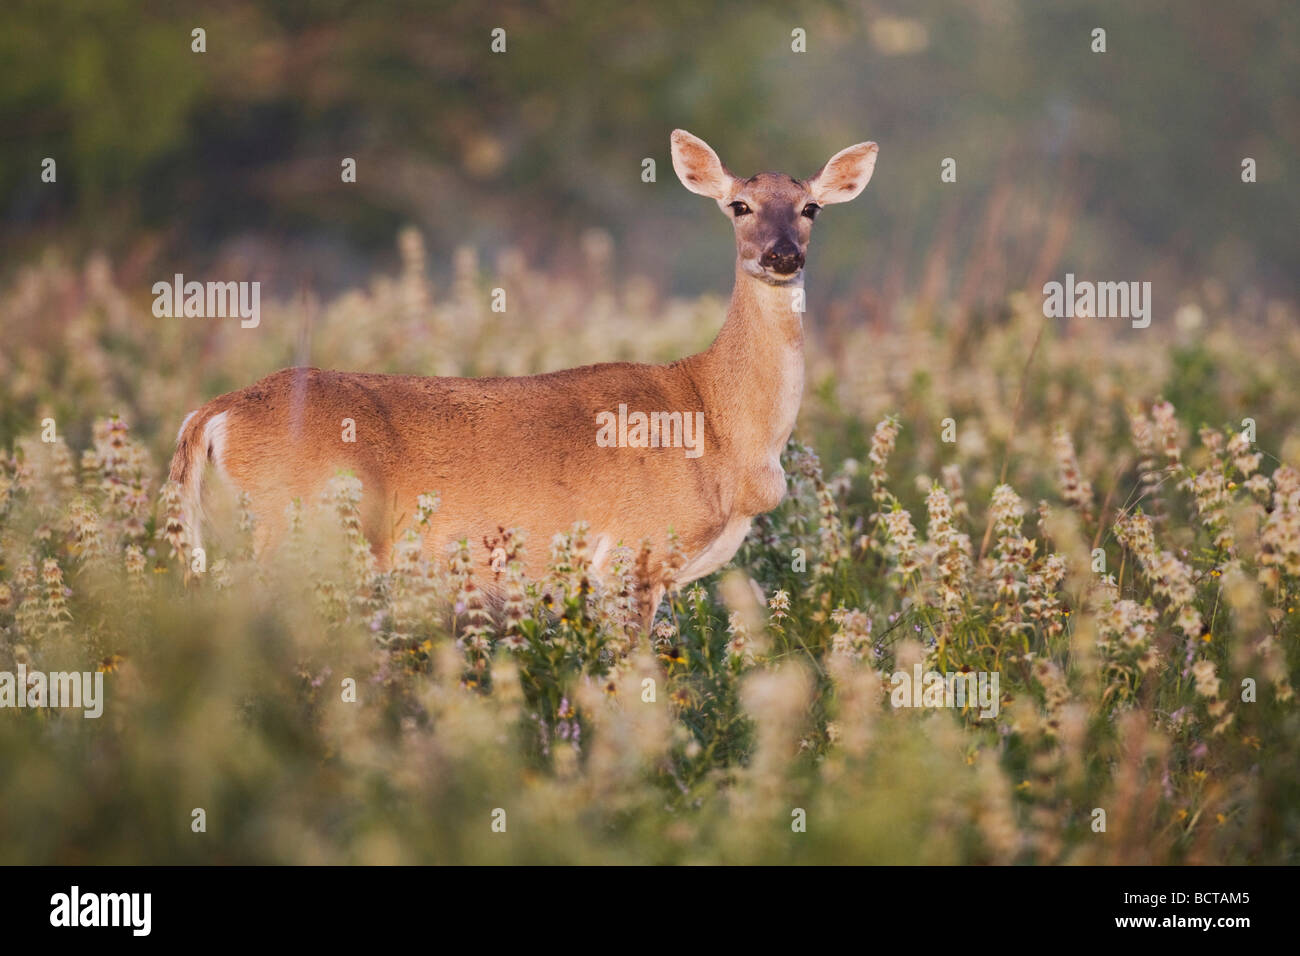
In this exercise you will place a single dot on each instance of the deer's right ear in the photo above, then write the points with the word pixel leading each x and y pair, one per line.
pixel 845 175
pixel 698 166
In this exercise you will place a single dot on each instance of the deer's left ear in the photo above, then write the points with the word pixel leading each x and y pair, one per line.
pixel 845 175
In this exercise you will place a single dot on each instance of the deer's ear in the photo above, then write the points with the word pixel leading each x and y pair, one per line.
pixel 698 166
pixel 845 175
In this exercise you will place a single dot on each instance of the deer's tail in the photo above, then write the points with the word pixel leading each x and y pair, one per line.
pixel 196 444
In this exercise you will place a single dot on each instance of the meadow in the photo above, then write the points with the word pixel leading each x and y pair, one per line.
pixel 1107 518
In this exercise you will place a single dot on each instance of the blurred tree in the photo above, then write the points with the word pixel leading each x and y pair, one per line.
pixel 531 145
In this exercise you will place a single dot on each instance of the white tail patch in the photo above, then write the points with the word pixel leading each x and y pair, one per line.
pixel 181 431
pixel 214 441
pixel 210 446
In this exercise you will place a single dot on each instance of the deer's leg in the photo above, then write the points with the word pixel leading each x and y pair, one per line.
pixel 651 597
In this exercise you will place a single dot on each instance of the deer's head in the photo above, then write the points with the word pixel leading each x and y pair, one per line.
pixel 773 213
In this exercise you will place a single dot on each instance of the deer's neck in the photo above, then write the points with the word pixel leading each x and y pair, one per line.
pixel 751 378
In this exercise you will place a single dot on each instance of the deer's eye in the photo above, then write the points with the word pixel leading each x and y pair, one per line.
pixel 811 210
pixel 739 208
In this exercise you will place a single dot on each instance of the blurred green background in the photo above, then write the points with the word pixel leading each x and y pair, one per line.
pixel 1123 165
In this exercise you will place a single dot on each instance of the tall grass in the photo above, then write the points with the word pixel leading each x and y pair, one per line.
pixel 1100 533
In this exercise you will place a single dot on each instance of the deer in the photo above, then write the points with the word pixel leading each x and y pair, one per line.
pixel 523 452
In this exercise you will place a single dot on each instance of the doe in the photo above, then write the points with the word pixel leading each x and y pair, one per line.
pixel 527 452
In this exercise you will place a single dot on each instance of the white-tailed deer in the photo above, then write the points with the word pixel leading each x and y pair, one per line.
pixel 633 450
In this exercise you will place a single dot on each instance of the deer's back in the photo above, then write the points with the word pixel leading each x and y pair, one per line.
pixel 501 452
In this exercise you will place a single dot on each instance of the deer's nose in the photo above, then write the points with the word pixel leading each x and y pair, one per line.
pixel 784 258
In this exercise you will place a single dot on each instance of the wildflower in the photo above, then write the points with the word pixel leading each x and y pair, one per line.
pixel 674 655
pixel 470 602
pixel 1279 539
pixel 738 648
pixel 1134 532
pixel 1056 692
pixel 1172 580
pixel 1166 430
pixel 952 556
pixel 426 505
pixel 86 532
pixel 620 609
pixel 1148 439
pixel 697 596
pixel 1207 684
pixel 56 610
pixel 674 560
pixel 852 637
pixel 64 473
pixel 1209 490
pixel 343 494
pixel 1075 489
pixel 1169 577
pixel 1243 459
pixel 1043 603
pixel 1012 555
pixel 901 536
pixel 172 528
pixel 745 624
pixel 665 631
pixel 779 604
pixel 882 446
